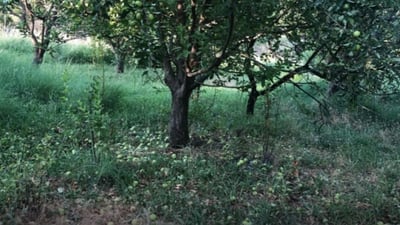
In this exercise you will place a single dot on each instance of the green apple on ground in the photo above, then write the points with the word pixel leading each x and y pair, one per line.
pixel 356 33
pixel 138 3
pixel 153 217
pixel 150 17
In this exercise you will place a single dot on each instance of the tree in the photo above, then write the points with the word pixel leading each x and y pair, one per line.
pixel 40 20
pixel 194 38
pixel 117 23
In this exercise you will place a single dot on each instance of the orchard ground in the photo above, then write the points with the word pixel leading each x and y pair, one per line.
pixel 82 145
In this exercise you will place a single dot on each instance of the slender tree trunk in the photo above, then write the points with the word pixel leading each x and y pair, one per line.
pixel 39 55
pixel 120 67
pixel 253 95
pixel 251 102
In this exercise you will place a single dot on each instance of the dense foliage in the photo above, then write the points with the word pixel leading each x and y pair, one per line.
pixel 356 42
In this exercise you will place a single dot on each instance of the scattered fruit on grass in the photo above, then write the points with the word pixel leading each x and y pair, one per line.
pixel 241 162
pixel 139 3
pixel 356 33
pixel 153 217
pixel 150 17
pixel 136 222
pixel 247 222
pixel 60 190
pixel 218 54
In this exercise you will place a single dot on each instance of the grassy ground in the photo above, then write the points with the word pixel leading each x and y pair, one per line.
pixel 80 144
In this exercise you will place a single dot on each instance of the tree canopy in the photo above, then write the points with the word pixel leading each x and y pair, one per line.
pixel 357 43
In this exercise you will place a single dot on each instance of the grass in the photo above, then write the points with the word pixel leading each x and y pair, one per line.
pixel 78 141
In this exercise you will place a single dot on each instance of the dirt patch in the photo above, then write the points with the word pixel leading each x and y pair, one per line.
pixel 109 211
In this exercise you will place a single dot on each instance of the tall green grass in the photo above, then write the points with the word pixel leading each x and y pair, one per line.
pixel 18 45
pixel 82 53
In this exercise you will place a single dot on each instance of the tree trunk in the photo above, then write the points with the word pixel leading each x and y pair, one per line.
pixel 39 55
pixel 253 95
pixel 120 67
pixel 251 102
pixel 179 119
pixel 181 87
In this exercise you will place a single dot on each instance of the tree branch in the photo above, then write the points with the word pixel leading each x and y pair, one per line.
pixel 283 80
pixel 291 74
pixel 309 95
pixel 226 86
pixel 219 58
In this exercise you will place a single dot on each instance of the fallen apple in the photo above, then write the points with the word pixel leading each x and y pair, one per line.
pixel 356 33
pixel 150 17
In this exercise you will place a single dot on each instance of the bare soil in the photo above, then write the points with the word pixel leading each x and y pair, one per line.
pixel 102 211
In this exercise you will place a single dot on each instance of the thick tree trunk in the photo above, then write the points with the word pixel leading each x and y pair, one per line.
pixel 39 55
pixel 181 87
pixel 179 119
